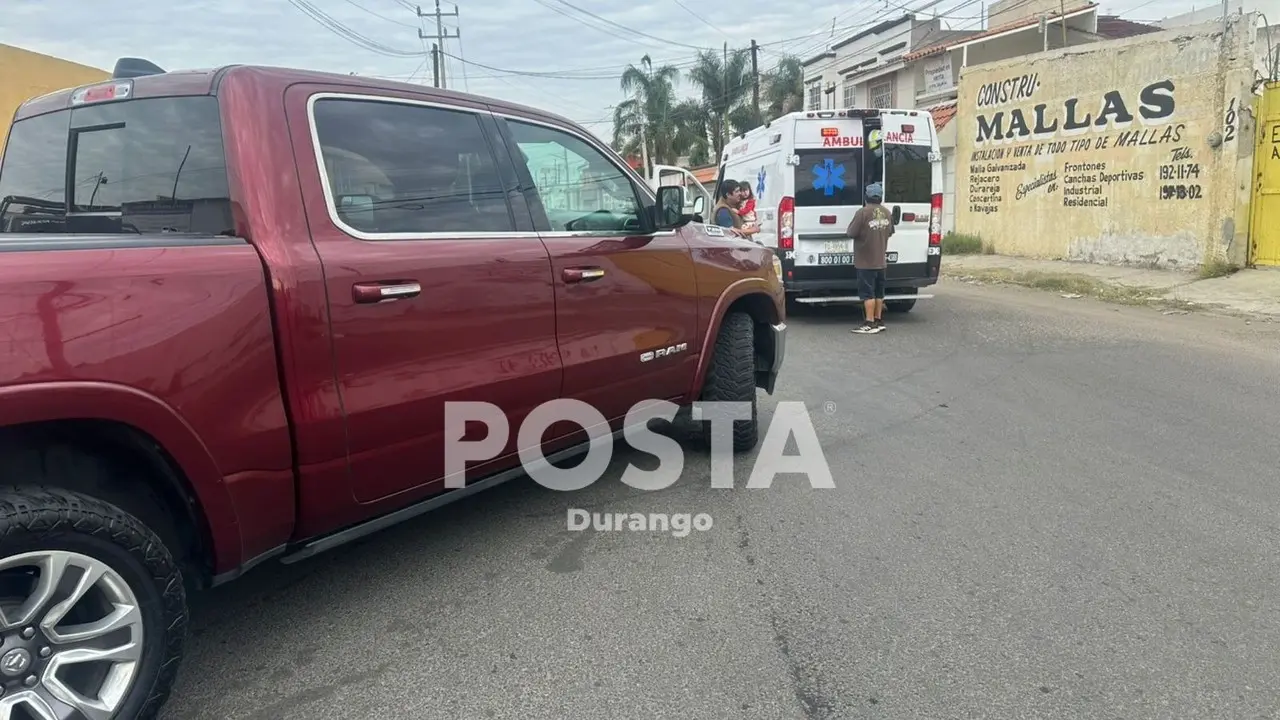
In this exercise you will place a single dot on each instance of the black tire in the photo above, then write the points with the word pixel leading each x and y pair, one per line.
pixel 731 377
pixel 899 306
pixel 45 519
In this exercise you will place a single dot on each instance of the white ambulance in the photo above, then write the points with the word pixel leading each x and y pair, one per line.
pixel 809 170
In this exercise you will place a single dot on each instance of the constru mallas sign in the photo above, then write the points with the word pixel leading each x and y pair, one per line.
pixel 1130 112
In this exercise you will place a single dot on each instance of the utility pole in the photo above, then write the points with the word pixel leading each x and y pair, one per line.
pixel 435 65
pixel 755 80
pixel 1062 9
pixel 724 116
pixel 644 154
pixel 440 36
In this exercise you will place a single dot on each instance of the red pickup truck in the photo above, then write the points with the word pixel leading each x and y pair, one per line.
pixel 235 303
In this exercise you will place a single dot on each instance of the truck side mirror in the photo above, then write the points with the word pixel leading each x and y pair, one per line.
pixel 699 204
pixel 670 208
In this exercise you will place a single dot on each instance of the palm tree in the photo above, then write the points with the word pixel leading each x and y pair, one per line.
pixel 725 83
pixel 692 132
pixel 651 122
pixel 783 88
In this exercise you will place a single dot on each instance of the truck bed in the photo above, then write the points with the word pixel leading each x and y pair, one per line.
pixel 173 331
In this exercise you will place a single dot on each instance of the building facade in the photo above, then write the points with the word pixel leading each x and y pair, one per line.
pixel 913 62
pixel 25 74
pixel 1133 151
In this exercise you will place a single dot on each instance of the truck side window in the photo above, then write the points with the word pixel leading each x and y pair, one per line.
pixel 407 169
pixel 580 188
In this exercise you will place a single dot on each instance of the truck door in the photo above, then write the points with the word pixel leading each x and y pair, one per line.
pixel 626 297
pixel 438 288
pixel 697 200
pixel 908 191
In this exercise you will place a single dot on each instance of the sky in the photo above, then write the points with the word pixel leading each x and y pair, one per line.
pixel 562 55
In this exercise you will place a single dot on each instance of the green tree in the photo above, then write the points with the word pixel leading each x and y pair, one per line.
pixel 725 85
pixel 782 89
pixel 652 120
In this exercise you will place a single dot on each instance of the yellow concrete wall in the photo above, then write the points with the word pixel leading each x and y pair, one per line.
pixel 25 74
pixel 1130 152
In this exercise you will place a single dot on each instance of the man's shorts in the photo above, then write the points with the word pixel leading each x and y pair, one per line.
pixel 871 284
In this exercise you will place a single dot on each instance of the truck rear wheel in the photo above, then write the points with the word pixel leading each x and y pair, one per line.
pixel 731 377
pixel 93 610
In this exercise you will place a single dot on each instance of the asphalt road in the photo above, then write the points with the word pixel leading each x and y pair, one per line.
pixel 1045 508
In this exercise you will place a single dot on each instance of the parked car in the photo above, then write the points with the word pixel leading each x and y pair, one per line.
pixel 236 302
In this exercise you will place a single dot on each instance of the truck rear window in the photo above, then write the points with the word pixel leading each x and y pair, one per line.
pixel 139 166
pixel 829 177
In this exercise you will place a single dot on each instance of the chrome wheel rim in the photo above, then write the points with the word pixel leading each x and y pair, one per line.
pixel 71 637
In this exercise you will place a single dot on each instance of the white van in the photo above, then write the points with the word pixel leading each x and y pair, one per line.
pixel 809 169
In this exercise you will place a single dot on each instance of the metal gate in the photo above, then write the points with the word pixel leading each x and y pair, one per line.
pixel 1264 227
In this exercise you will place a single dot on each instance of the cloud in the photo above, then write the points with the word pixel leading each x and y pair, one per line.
pixel 587 54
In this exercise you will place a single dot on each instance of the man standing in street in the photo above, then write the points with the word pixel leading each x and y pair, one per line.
pixel 871 228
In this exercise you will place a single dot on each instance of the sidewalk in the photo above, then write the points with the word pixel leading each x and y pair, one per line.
pixel 1247 292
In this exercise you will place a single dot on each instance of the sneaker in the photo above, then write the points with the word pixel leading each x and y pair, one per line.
pixel 879 325
pixel 866 329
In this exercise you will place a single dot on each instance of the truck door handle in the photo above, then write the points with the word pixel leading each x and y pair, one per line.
pixel 582 274
pixel 377 292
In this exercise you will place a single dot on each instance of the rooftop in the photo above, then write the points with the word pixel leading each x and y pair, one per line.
pixel 1114 26
pixel 945 45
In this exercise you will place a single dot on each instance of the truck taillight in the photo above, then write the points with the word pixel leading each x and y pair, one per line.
pixel 935 220
pixel 786 223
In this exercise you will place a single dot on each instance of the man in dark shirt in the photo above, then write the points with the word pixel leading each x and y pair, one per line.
pixel 871 228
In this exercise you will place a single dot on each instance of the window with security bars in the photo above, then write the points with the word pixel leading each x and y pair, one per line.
pixel 848 94
pixel 815 97
pixel 881 94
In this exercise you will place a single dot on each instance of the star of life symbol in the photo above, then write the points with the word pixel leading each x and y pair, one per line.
pixel 828 177
pixel 760 182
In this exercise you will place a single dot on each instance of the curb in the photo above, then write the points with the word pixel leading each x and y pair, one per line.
pixel 1122 294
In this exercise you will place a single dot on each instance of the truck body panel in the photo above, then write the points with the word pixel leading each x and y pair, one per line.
pixel 172 340
pixel 294 410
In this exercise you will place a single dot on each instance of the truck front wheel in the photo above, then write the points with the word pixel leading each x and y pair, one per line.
pixel 93 610
pixel 731 378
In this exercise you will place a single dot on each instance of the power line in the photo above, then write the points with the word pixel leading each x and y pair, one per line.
pixel 703 20
pixel 346 33
pixel 626 29
pixel 606 30
pixel 357 5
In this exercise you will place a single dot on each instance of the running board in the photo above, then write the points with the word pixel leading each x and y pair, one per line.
pixel 855 298
pixel 434 502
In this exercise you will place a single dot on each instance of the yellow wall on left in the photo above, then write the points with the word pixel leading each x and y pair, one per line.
pixel 25 74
